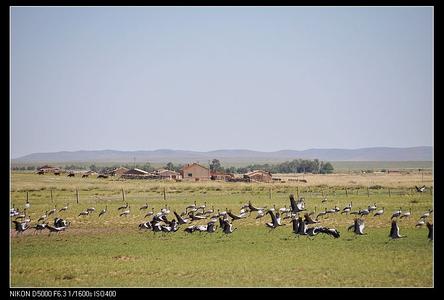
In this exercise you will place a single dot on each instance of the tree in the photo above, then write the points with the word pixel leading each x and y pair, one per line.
pixel 326 168
pixel 169 166
pixel 215 166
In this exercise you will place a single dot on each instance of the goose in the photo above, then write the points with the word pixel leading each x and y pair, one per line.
pixel 211 227
pixel 123 207
pixel 337 209
pixel 372 207
pixel 406 214
pixel 51 211
pixel 302 227
pixel 330 211
pixel 192 206
pixel 228 227
pixel 64 208
pixel 321 213
pixel 91 209
pixel 278 219
pixel 149 213
pixel 125 212
pixel 284 209
pixel 397 213
pixel 420 223
pixel 174 225
pixel 379 212
pixel 54 229
pixel 146 225
pixel 201 228
pixel 236 217
pixel 252 208
pixel 222 213
pixel 157 227
pixel 364 212
pixel 196 218
pixel 43 217
pixel 430 227
pixel 309 220
pixel 180 219
pixel 27 204
pixel 39 227
pixel 357 226
pixel 210 211
pixel 420 189
pixel 273 224
pixel 394 231
pixel 295 225
pixel 260 214
pixel 103 211
pixel 324 199
pixel 426 214
pixel 59 222
pixel 244 211
pixel 20 226
pixel 244 206
pixel 346 210
pixel 165 210
pixel 190 229
pixel 84 213
pixel 202 207
pixel 296 207
pixel 329 231
pixel 144 206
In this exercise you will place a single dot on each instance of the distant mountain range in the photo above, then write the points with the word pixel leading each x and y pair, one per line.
pixel 423 153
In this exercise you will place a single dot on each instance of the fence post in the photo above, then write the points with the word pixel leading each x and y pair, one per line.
pixel 270 194
pixel 346 192
pixel 77 195
pixel 123 196
pixel 297 191
pixel 368 193
pixel 164 194
pixel 431 190
pixel 27 196
pixel 52 200
pixel 390 194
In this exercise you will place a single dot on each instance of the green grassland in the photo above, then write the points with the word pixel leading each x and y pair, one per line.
pixel 111 251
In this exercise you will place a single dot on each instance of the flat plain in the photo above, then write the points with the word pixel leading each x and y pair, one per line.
pixel 111 251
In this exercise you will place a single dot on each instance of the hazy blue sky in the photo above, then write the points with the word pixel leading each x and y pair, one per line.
pixel 201 78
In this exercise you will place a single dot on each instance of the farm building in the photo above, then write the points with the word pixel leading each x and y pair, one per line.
pixel 49 169
pixel 118 171
pixel 220 176
pixel 168 174
pixel 195 172
pixel 138 174
pixel 259 175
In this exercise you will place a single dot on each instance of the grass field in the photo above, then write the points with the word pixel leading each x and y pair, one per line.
pixel 111 251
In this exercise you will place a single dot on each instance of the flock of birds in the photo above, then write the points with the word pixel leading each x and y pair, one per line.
pixel 303 222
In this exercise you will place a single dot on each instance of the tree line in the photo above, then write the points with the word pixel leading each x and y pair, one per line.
pixel 295 166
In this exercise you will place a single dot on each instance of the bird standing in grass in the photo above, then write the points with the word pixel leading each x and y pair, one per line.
pixel 123 207
pixel 406 214
pixel 357 226
pixel 144 206
pixel 379 212
pixel 397 213
pixel 125 212
pixel 394 231
pixel 103 211
pixel 430 227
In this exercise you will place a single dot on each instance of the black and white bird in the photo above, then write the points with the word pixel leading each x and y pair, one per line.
pixel 357 226
pixel 356 212
pixel 144 206
pixel 20 226
pixel 123 207
pixel 39 227
pixel 43 217
pixel 426 214
pixel 406 214
pixel 202 207
pixel 397 213
pixel 273 224
pixel 252 208
pixel 126 212
pixel 312 231
pixel 420 223
pixel 379 212
pixel 55 229
pixel 27 204
pixel 297 206
pixel 190 229
pixel 420 189
pixel 64 208
pixel 192 206
pixel 180 219
pixel 260 214
pixel 394 231
pixel 146 225
pixel 103 211
pixel 84 213
pixel 91 209
pixel 149 213
pixel 52 211
pixel 364 212
pixel 59 222
pixel 430 227
pixel 228 227
pixel 193 217
pixel 321 213
pixel 372 207
pixel 236 217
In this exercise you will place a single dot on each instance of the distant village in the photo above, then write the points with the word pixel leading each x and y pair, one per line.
pixel 189 172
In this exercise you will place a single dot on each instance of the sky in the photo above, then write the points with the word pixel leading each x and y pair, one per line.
pixel 209 78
